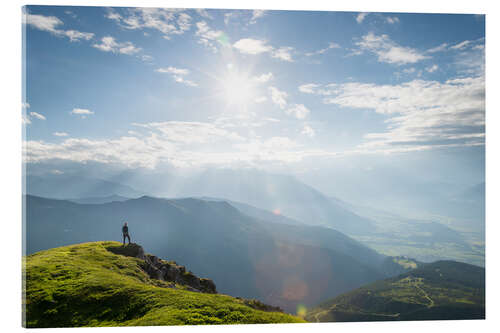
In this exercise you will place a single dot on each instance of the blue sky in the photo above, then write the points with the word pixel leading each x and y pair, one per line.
pixel 289 91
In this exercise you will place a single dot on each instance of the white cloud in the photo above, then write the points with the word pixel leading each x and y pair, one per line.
pixel 204 13
pixel 81 112
pixel 60 134
pixel 181 79
pixel 109 44
pixel 129 49
pixel 252 46
pixel 361 17
pixel 25 120
pixel 299 111
pixel 283 53
pixel 74 35
pixel 421 114
pixel 330 46
pixel 70 13
pixel 410 70
pixel 241 16
pixel 308 131
pixel 112 15
pixel 313 88
pixel 392 19
pixel 261 99
pixel 165 20
pixel 264 77
pixel 243 121
pixel 388 51
pixel 256 14
pixel 278 97
pixel 308 88
pixel 37 115
pixel 41 22
pixel 258 46
pixel 438 48
pixel 432 68
pixel 210 38
pixel 50 24
pixel 470 61
pixel 184 22
pixel 227 17
pixel 173 70
pixel 178 74
pixel 461 45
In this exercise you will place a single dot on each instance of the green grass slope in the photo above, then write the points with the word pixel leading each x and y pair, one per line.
pixel 89 285
pixel 438 291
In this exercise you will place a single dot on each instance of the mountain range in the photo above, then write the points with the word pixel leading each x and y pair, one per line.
pixel 279 264
pixel 285 199
pixel 283 195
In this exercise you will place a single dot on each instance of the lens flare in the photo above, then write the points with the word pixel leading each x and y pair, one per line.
pixel 301 310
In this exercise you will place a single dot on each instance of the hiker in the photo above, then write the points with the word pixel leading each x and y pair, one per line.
pixel 125 233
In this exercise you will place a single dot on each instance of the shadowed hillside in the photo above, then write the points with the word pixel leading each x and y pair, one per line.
pixel 437 291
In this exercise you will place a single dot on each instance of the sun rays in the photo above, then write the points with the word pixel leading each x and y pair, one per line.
pixel 237 88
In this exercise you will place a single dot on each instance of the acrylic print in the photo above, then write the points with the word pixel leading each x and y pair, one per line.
pixel 198 166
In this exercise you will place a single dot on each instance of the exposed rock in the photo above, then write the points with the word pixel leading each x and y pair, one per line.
pixel 258 305
pixel 130 250
pixel 164 270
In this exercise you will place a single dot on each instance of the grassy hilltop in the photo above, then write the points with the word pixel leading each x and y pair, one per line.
pixel 90 284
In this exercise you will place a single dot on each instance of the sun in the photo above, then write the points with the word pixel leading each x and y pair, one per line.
pixel 237 88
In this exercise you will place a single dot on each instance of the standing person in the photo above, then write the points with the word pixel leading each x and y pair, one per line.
pixel 125 233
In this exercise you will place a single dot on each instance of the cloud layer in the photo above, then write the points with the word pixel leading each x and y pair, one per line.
pixel 164 20
pixel 176 143
pixel 420 114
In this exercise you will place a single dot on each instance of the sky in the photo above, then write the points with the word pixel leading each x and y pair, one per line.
pixel 314 94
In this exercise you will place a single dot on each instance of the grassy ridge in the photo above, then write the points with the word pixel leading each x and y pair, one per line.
pixel 438 291
pixel 88 285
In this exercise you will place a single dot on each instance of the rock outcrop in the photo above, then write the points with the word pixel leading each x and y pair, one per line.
pixel 164 270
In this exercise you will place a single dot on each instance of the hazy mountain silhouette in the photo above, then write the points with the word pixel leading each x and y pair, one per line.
pixel 258 213
pixel 100 200
pixel 72 186
pixel 282 194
